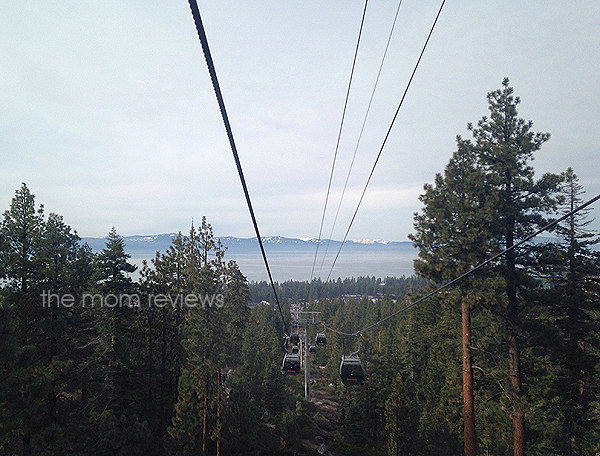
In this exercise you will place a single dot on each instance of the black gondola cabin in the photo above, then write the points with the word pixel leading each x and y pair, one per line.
pixel 351 370
pixel 321 339
pixel 291 364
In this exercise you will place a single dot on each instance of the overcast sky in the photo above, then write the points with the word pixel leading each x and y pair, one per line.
pixel 108 114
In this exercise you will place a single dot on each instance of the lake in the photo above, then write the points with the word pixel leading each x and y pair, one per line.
pixel 298 265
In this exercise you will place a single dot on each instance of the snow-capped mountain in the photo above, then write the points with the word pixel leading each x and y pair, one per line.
pixel 147 245
pixel 290 258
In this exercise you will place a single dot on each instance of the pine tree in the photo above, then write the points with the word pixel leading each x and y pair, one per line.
pixel 401 421
pixel 236 312
pixel 202 333
pixel 45 271
pixel 11 380
pixel 575 306
pixel 492 202
pixel 114 315
pixel 113 392
pixel 160 336
pixel 274 388
pixel 113 266
pixel 22 228
pixel 453 236
pixel 504 144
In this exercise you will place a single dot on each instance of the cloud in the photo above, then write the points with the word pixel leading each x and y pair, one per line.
pixel 108 114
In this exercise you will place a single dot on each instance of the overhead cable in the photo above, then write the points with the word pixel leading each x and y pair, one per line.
pixel 337 145
pixel 475 269
pixel 217 89
pixel 386 137
pixel 362 129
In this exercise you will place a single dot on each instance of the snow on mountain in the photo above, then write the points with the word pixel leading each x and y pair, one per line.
pixel 292 258
pixel 309 239
pixel 147 245
pixel 370 241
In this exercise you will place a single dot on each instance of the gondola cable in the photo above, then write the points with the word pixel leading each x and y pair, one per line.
pixel 362 129
pixel 386 137
pixel 471 271
pixel 220 101
pixel 337 146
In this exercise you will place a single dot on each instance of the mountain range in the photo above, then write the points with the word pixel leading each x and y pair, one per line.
pixel 290 258
pixel 146 246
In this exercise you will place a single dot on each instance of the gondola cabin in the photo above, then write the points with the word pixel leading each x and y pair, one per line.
pixel 295 349
pixel 312 349
pixel 351 370
pixel 291 364
pixel 321 340
pixel 294 339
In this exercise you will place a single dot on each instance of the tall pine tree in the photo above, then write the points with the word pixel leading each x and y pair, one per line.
pixel 575 307
pixel 453 236
pixel 505 144
pixel 487 200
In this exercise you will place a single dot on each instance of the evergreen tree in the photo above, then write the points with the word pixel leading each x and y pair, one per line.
pixel 257 386
pixel 113 308
pixel 274 388
pixel 11 422
pixel 203 333
pixel 401 419
pixel 488 200
pixel 504 144
pixel 236 312
pixel 113 387
pixel 159 334
pixel 113 267
pixel 22 228
pixel 574 309
pixel 21 231
pixel 453 236
pixel 45 271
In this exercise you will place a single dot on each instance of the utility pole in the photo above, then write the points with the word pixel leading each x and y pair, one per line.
pixel 307 321
pixel 306 366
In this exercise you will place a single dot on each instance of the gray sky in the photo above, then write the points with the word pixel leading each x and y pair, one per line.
pixel 108 114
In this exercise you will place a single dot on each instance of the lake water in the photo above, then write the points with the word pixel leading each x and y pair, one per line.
pixel 298 265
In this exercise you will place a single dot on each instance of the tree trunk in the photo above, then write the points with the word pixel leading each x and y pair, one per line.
pixel 514 351
pixel 219 412
pixel 468 402
pixel 515 380
pixel 204 417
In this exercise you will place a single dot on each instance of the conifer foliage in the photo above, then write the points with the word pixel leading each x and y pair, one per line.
pixel 95 363
pixel 486 201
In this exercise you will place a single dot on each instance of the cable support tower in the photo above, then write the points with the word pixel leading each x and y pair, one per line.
pixel 337 145
pixel 387 136
pixel 470 272
pixel 220 101
pixel 362 129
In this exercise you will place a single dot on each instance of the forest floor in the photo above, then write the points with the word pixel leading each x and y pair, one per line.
pixel 326 419
pixel 321 416
pixel 307 427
